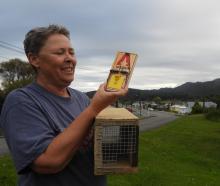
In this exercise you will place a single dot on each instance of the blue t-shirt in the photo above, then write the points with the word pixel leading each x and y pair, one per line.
pixel 31 118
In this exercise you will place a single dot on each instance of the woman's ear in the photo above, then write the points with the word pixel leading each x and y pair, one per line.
pixel 33 60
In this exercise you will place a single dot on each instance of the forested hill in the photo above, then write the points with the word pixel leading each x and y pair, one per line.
pixel 200 88
pixel 185 91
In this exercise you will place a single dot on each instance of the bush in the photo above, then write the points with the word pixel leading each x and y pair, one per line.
pixel 213 115
pixel 197 108
pixel 210 109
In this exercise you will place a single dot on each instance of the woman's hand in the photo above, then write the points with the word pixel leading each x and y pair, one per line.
pixel 103 98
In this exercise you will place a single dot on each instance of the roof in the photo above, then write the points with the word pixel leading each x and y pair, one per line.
pixel 179 106
pixel 112 113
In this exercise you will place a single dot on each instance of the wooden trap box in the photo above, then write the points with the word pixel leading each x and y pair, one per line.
pixel 116 142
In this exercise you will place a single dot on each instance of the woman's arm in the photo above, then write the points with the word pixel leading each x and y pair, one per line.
pixel 62 148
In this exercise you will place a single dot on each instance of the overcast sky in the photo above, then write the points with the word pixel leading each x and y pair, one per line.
pixel 177 41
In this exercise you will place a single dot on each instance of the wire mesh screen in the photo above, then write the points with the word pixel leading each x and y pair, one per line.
pixel 119 144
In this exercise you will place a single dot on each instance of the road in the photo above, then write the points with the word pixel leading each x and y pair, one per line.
pixel 152 119
pixel 3 146
pixel 155 119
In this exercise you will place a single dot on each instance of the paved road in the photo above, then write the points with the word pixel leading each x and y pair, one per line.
pixel 3 146
pixel 155 119
pixel 152 119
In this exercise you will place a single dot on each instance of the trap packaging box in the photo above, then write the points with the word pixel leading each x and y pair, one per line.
pixel 121 71
pixel 116 142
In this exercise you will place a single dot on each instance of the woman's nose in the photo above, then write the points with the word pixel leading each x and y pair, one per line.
pixel 71 58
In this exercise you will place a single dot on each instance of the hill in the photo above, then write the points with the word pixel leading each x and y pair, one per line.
pixel 186 91
pixel 200 88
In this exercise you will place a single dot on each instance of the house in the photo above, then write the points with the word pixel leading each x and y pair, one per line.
pixel 206 104
pixel 180 109
pixel 210 104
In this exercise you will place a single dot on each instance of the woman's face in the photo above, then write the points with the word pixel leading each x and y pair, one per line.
pixel 56 61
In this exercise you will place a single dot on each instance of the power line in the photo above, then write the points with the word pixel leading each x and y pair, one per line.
pixel 10 48
pixel 79 67
pixel 14 48
pixel 4 57
pixel 11 45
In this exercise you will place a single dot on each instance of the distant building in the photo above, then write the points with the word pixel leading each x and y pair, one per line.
pixel 180 109
pixel 136 104
pixel 206 104
pixel 210 104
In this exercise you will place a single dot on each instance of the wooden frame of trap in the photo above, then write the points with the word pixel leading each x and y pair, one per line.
pixel 116 142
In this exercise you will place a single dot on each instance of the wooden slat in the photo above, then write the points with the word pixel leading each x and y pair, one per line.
pixel 111 113
pixel 114 117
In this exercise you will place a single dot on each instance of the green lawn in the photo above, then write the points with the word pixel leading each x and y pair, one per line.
pixel 7 172
pixel 182 153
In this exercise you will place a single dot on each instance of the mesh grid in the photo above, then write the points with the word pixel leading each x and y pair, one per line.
pixel 118 143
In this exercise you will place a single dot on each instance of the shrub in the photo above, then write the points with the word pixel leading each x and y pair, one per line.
pixel 213 115
pixel 197 108
pixel 210 109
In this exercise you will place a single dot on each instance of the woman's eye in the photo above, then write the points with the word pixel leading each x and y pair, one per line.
pixel 64 52
pixel 72 53
pixel 59 53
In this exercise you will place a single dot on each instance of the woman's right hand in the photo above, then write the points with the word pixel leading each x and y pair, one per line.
pixel 103 98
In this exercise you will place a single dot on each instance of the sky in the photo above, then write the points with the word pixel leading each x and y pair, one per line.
pixel 177 41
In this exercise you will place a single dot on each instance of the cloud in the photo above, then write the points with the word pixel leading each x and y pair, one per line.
pixel 177 41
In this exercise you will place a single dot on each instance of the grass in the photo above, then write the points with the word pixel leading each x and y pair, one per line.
pixel 185 152
pixel 7 172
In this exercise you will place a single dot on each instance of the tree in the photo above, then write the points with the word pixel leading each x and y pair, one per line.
pixel 216 99
pixel 15 74
pixel 197 108
pixel 8 87
pixel 157 100
pixel 15 70
pixel 2 97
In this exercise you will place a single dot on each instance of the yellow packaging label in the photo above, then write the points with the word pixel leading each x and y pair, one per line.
pixel 116 81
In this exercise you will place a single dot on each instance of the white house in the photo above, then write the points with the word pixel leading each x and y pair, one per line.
pixel 180 109
pixel 207 104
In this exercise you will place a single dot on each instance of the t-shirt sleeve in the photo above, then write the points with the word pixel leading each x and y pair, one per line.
pixel 28 134
pixel 87 100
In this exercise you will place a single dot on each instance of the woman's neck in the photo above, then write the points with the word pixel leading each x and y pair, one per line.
pixel 57 90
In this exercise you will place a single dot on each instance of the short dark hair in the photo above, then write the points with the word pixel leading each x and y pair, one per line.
pixel 36 37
